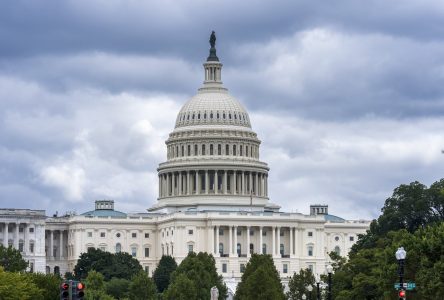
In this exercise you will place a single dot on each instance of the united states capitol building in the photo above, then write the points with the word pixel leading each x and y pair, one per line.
pixel 213 197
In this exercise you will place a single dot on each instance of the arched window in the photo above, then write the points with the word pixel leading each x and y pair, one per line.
pixel 195 149
pixel 203 150
pixel 57 270
pixel 48 269
pixel 223 116
pixel 264 248
pixel 182 154
pixel 310 250
pixel 227 150
pixel 338 250
pixel 234 150
pixel 211 115
pixel 251 248
pixel 229 116
pixel 189 150
pixel 205 116
pixel 221 249
pixel 118 247
pixel 211 149
pixel 219 149
pixel 281 249
pixel 177 151
pixel 241 152
pixel 239 249
pixel 217 115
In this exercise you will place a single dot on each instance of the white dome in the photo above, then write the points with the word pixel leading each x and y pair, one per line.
pixel 213 107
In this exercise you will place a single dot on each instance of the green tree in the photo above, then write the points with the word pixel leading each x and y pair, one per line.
pixel 161 276
pixel 117 288
pixel 95 287
pixel 201 270
pixel 48 283
pixel 11 260
pixel 17 286
pixel 181 289
pixel 298 284
pixel 260 280
pixel 142 287
pixel 119 265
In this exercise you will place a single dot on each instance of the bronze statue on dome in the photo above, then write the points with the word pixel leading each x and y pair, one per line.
pixel 213 39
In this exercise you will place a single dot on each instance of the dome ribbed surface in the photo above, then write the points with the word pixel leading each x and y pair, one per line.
pixel 213 108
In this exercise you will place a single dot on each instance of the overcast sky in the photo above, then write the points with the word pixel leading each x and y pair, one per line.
pixel 346 96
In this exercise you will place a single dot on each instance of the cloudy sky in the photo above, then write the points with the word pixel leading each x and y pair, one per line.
pixel 346 96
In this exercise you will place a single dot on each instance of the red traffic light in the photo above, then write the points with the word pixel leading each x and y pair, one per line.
pixel 402 293
pixel 64 286
pixel 80 286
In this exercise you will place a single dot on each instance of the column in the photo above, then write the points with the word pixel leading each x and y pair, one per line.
pixel 168 185
pixel 278 251
pixel 173 184
pixel 260 240
pixel 291 241
pixel 6 237
pixel 188 183
pixel 160 187
pixel 225 182
pixel 273 248
pixel 16 240
pixel 61 245
pixel 250 183
pixel 211 238
pixel 248 241
pixel 180 184
pixel 217 240
pixel 243 184
pixel 197 182
pixel 235 242
pixel 256 188
pixel 25 239
pixel 51 245
pixel 216 181
pixel 230 241
pixel 207 183
pixel 234 185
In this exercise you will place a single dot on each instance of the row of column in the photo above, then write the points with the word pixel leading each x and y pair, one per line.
pixel 60 254
pixel 15 233
pixel 214 182
pixel 232 240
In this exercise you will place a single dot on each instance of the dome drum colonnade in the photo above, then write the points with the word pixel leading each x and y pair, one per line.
pixel 213 150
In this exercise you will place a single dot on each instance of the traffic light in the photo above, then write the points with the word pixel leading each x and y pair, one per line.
pixel 78 291
pixel 64 291
pixel 402 295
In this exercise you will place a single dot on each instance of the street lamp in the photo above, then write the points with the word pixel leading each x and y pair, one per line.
pixel 329 271
pixel 304 297
pixel 318 283
pixel 400 256
pixel 310 289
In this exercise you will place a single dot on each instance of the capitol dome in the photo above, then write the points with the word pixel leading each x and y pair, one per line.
pixel 213 153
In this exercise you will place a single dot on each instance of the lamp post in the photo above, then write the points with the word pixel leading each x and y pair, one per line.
pixel 310 289
pixel 329 271
pixel 318 283
pixel 400 256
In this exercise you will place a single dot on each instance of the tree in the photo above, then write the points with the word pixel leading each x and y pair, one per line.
pixel 167 265
pixel 11 260
pixel 14 285
pixel 298 284
pixel 119 265
pixel 117 287
pixel 142 287
pixel 181 289
pixel 201 270
pixel 260 280
pixel 48 283
pixel 95 287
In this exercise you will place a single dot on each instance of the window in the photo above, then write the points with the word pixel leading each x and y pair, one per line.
pixel 281 233
pixel 31 267
pixel 31 247
pixel 147 235
pixel 133 235
pixel 234 150
pixel 310 233
pixel 251 248
pixel 190 231
pixel 251 232
pixel 117 235
pixel 190 248
pixel 242 268
pixel 167 233
pixel 221 248
pixel 241 152
pixel 118 247
pixel 352 238
pixel 264 248
pixel 285 268
pixel 195 149
pixel 224 268
pixel 281 249
pixel 147 269
pixel 221 231
pixel 147 252
pixel 219 149
pixel 337 238
pixel 133 251
pixel 227 150
pixel 338 250
pixel 211 149
pixel 203 149
pixel 102 234
pixel 21 245
pixel 90 234
pixel 20 229
pixel 239 231
pixel 189 150
pixel 310 250
pixel 264 233
pixel 239 249
pixel 310 267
